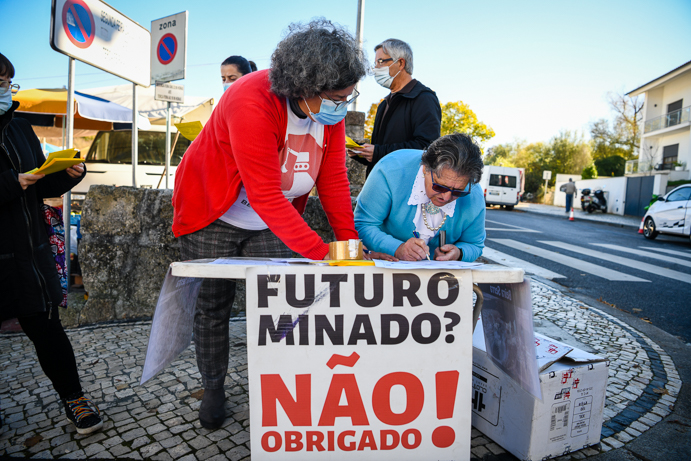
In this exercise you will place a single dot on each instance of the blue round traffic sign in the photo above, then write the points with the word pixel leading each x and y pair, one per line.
pixel 78 23
pixel 167 48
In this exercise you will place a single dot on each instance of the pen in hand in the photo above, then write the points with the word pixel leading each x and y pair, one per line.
pixel 416 234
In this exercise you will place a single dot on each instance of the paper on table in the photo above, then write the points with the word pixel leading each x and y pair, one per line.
pixel 190 130
pixel 59 154
pixel 425 264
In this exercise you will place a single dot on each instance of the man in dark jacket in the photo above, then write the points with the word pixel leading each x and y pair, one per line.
pixel 409 117
pixel 29 283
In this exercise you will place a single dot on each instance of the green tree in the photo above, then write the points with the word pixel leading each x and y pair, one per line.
pixel 611 166
pixel 622 136
pixel 589 172
pixel 457 117
pixel 369 120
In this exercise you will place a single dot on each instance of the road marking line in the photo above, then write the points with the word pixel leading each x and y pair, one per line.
pixel 672 252
pixel 647 254
pixel 641 266
pixel 508 260
pixel 574 263
pixel 511 230
pixel 511 225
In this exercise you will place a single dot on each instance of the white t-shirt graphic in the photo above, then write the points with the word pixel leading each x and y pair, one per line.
pixel 300 160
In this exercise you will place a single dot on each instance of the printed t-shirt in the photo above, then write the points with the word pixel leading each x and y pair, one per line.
pixel 300 160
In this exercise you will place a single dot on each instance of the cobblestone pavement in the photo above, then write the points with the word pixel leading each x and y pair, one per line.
pixel 159 420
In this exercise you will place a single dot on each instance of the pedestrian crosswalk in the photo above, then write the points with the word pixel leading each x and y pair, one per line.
pixel 613 266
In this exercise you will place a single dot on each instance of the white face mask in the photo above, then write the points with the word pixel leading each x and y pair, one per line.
pixel 381 75
pixel 5 101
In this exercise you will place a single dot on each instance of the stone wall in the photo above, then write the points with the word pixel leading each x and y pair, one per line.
pixel 126 249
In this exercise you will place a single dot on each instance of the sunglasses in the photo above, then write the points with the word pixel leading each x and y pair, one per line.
pixel 443 189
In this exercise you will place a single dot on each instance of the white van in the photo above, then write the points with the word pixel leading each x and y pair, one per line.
pixel 109 160
pixel 501 185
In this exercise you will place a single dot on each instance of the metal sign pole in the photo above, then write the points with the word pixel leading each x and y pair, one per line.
pixel 135 136
pixel 67 200
pixel 360 25
pixel 168 153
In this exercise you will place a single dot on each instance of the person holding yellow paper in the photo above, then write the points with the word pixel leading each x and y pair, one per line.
pixel 29 281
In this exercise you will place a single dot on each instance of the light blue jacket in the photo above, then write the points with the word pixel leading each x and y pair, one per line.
pixel 384 220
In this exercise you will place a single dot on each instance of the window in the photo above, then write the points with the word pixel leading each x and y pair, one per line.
pixel 674 113
pixel 680 195
pixel 116 147
pixel 670 153
pixel 502 180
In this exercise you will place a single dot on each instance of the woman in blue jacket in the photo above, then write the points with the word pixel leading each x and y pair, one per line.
pixel 411 196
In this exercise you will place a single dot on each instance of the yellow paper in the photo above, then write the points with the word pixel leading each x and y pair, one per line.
pixel 190 130
pixel 350 144
pixel 67 154
pixel 347 262
pixel 55 165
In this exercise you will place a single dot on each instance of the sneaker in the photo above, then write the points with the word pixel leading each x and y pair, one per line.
pixel 83 414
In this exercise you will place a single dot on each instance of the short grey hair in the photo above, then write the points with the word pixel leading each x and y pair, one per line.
pixel 398 49
pixel 316 57
pixel 456 152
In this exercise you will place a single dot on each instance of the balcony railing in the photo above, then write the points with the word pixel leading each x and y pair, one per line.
pixel 670 119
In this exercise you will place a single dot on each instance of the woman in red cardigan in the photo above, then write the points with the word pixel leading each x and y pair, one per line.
pixel 242 186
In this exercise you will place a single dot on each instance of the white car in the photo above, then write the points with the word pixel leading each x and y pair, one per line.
pixel 670 214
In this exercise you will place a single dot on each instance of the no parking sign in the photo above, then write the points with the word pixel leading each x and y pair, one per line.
pixel 169 48
pixel 93 32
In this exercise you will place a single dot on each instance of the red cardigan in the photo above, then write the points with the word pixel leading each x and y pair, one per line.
pixel 239 146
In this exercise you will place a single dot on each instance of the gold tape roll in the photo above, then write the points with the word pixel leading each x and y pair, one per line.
pixel 346 249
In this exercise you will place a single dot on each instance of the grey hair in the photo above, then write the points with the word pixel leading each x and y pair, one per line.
pixel 398 49
pixel 457 152
pixel 316 57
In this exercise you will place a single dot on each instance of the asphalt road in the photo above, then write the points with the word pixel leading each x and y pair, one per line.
pixel 650 279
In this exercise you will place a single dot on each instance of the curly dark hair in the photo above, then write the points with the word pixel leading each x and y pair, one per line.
pixel 456 151
pixel 316 57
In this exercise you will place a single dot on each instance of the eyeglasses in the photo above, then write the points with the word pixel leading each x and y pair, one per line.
pixel 5 85
pixel 345 103
pixel 443 189
pixel 379 62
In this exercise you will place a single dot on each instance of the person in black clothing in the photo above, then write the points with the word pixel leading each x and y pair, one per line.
pixel 29 284
pixel 409 117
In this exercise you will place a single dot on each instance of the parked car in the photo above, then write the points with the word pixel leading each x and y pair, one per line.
pixel 109 160
pixel 501 186
pixel 670 214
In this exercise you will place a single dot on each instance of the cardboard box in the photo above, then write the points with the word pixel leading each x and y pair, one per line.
pixel 569 416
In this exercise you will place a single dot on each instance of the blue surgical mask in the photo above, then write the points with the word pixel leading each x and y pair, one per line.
pixel 329 113
pixel 226 86
pixel 5 101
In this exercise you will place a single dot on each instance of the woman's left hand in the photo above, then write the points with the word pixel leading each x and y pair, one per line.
pixel 447 253
pixel 76 171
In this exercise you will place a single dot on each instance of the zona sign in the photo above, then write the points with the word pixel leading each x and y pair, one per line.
pixel 167 48
pixel 78 23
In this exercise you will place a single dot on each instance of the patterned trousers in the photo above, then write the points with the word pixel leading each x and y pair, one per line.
pixel 217 240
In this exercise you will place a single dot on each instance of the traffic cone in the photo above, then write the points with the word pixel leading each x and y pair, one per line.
pixel 640 228
pixel 571 215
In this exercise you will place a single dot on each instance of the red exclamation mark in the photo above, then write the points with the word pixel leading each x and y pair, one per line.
pixel 447 383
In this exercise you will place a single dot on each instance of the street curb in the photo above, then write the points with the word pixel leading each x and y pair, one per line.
pixel 580 218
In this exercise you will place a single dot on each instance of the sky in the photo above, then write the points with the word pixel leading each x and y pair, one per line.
pixel 528 69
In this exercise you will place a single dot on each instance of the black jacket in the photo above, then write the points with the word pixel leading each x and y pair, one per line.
pixel 413 121
pixel 29 281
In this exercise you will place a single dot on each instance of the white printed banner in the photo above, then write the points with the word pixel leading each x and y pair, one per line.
pixel 359 362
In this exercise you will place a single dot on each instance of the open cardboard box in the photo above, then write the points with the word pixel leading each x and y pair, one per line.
pixel 569 416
